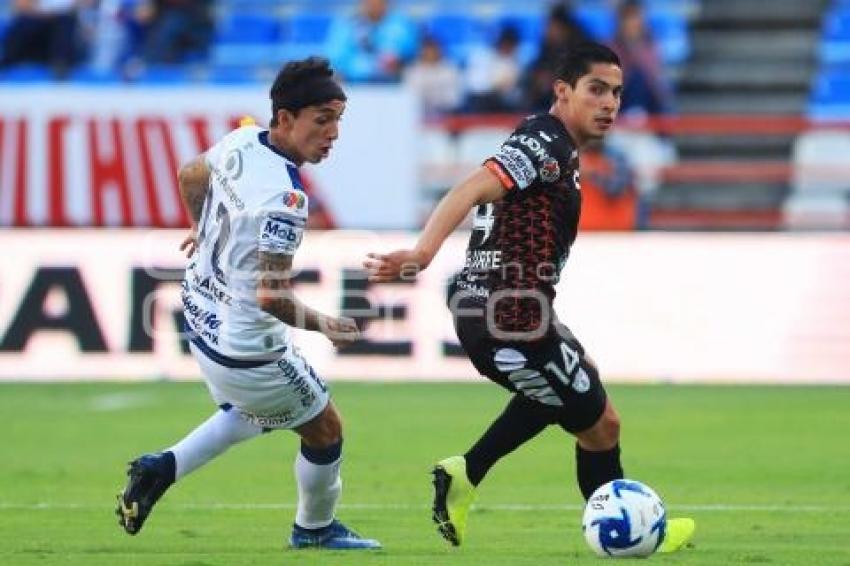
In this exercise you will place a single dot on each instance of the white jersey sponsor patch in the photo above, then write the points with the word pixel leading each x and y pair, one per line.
pixel 517 164
pixel 281 233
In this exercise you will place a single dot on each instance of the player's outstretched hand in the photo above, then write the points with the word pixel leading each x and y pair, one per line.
pixel 400 264
pixel 190 243
pixel 342 331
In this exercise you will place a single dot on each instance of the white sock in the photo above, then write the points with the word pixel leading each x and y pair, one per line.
pixel 319 486
pixel 211 438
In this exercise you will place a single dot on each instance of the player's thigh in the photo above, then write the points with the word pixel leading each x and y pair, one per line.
pixel 284 394
pixel 480 349
pixel 555 372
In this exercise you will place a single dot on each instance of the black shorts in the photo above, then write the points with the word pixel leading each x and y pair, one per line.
pixel 552 371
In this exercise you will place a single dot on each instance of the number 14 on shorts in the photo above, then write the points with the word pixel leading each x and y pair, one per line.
pixel 575 376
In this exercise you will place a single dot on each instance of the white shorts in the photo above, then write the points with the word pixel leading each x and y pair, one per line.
pixel 282 394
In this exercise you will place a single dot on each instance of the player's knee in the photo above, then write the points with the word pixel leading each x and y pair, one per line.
pixel 323 431
pixel 605 432
pixel 610 422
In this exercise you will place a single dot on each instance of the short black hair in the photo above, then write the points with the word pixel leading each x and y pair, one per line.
pixel 575 61
pixel 291 78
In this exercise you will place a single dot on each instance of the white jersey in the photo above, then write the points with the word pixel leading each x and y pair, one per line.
pixel 255 203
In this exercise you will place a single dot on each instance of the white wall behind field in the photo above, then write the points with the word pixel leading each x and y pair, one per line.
pixel 648 307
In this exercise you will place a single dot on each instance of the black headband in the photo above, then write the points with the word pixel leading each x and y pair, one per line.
pixel 312 91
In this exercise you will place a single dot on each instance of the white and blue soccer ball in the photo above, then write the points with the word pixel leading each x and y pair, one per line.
pixel 624 518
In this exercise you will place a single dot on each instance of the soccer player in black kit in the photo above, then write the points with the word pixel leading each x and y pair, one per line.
pixel 528 202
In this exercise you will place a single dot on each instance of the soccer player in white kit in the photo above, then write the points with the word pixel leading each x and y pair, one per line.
pixel 249 211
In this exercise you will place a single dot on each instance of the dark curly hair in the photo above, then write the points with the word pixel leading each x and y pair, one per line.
pixel 303 83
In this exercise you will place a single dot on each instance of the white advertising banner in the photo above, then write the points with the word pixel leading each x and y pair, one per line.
pixel 648 307
pixel 75 156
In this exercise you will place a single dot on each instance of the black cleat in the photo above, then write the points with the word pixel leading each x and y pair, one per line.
pixel 453 496
pixel 150 476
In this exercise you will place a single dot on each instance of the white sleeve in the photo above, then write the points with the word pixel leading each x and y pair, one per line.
pixel 213 155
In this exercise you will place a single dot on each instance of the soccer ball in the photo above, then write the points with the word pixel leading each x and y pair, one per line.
pixel 624 518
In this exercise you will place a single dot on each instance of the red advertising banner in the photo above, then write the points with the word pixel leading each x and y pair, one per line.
pixel 72 157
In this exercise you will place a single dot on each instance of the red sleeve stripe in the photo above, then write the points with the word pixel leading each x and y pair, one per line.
pixel 496 168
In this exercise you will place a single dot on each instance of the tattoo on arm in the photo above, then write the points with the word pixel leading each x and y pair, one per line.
pixel 275 296
pixel 194 180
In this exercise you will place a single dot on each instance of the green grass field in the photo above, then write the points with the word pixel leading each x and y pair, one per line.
pixel 764 470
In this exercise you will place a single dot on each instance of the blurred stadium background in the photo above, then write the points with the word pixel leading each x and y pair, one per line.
pixel 715 221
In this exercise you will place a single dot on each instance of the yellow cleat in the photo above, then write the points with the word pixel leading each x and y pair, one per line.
pixel 679 534
pixel 453 496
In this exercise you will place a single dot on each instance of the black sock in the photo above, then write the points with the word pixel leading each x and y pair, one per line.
pixel 521 421
pixel 597 468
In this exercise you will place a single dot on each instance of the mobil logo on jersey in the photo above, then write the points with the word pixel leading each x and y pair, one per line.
pixel 281 233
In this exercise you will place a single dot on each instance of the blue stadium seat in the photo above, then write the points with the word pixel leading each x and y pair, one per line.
pixel 830 96
pixel 831 88
pixel 292 51
pixel 456 28
pixel 243 54
pixel 26 74
pixel 836 25
pixel 228 75
pixel 247 28
pixel 165 75
pixel 528 24
pixel 835 37
pixel 600 23
pixel 306 27
pixel 670 30
pixel 90 76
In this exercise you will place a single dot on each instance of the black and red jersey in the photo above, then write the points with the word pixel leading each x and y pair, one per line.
pixel 520 243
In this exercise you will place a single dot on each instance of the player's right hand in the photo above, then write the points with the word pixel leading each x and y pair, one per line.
pixel 342 331
pixel 400 264
pixel 190 243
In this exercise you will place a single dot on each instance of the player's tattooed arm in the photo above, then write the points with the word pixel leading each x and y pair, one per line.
pixel 276 296
pixel 194 181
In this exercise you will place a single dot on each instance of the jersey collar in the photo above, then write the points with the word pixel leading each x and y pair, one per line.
pixel 264 139
pixel 560 125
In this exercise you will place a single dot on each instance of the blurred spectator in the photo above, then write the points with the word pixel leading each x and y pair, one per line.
pixel 562 30
pixel 609 197
pixel 43 32
pixel 492 75
pixel 175 30
pixel 645 87
pixel 436 80
pixel 373 44
pixel 112 36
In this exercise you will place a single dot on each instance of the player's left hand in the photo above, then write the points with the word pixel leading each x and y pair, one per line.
pixel 400 264
pixel 190 243
pixel 342 331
